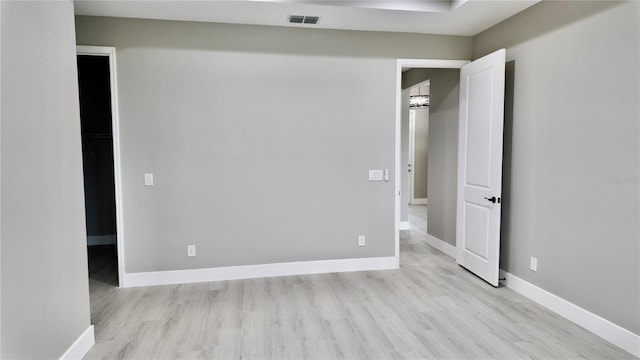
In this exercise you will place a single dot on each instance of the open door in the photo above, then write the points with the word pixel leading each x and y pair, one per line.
pixel 480 165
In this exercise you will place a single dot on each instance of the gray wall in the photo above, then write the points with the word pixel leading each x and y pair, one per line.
pixel 45 295
pixel 421 153
pixel 284 174
pixel 442 148
pixel 571 190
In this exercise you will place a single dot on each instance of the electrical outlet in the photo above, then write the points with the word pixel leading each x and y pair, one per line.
pixel 361 240
pixel 533 265
pixel 148 179
pixel 191 250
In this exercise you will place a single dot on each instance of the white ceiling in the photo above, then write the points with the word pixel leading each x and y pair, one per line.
pixel 456 17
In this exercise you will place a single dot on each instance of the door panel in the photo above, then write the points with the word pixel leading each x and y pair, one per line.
pixel 478 124
pixel 480 165
pixel 476 230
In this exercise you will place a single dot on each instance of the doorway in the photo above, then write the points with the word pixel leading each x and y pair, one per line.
pixel 418 143
pixel 402 153
pixel 418 158
pixel 480 90
pixel 96 89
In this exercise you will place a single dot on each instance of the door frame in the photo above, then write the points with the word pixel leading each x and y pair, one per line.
pixel 115 127
pixel 400 65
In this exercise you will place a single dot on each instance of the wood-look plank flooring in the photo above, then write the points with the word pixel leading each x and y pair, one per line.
pixel 428 309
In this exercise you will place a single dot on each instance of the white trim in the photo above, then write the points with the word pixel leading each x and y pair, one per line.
pixel 398 160
pixel 400 65
pixel 604 328
pixel 420 201
pixel 441 245
pixel 81 346
pixel 115 119
pixel 405 225
pixel 93 240
pixel 431 63
pixel 0 190
pixel 257 271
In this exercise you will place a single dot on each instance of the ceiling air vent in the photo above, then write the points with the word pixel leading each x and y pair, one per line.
pixel 301 19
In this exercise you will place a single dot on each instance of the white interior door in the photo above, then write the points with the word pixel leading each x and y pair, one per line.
pixel 480 165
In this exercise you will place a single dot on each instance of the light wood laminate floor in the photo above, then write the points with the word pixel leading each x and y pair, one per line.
pixel 430 308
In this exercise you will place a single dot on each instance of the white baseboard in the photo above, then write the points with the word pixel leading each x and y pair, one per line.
pixel 607 330
pixel 81 346
pixel 441 245
pixel 405 225
pixel 101 239
pixel 257 271
pixel 422 201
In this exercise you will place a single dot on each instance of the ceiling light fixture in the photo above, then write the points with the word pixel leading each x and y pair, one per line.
pixel 418 101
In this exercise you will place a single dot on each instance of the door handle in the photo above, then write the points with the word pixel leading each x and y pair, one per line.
pixel 493 199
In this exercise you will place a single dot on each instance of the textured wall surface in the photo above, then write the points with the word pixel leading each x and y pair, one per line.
pixel 572 152
pixel 45 294
pixel 260 139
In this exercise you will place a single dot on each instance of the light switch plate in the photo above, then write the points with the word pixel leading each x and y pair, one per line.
pixel 376 175
pixel 148 179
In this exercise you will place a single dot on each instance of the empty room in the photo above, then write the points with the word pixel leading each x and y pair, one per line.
pixel 253 179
